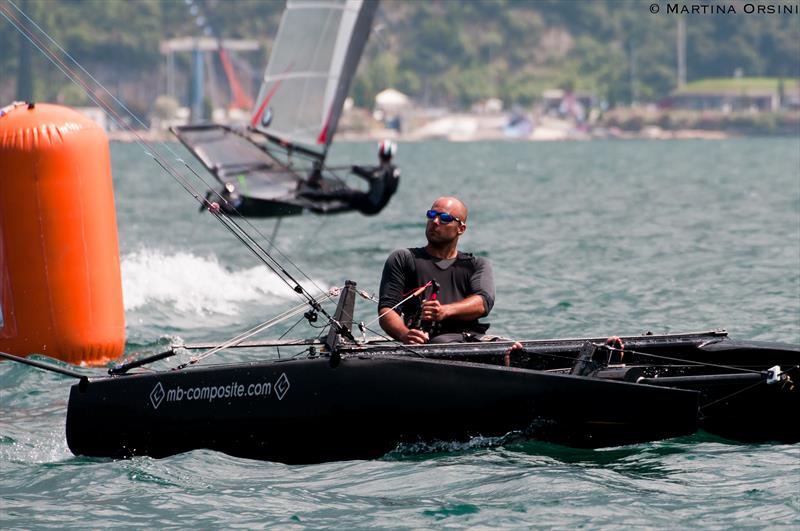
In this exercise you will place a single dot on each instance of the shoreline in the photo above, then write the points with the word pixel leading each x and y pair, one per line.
pixel 539 135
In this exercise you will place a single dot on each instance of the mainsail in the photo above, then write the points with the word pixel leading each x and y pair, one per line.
pixel 313 60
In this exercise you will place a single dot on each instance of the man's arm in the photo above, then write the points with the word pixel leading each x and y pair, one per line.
pixel 482 284
pixel 365 172
pixel 391 293
pixel 393 324
pixel 469 309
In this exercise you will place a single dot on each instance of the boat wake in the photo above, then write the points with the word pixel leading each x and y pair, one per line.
pixel 194 284
pixel 421 448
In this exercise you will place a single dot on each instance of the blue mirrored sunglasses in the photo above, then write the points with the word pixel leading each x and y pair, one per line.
pixel 444 217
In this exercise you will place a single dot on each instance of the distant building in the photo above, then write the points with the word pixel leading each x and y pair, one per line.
pixel 389 107
pixel 391 102
pixel 735 94
pixel 724 101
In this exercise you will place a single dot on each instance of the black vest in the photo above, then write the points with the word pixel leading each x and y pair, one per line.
pixel 454 285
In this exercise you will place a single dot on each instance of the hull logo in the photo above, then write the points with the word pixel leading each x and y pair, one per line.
pixel 281 386
pixel 157 395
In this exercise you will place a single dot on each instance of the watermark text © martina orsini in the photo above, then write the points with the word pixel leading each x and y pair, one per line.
pixel 731 8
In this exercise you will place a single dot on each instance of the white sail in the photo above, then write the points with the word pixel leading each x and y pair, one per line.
pixel 313 60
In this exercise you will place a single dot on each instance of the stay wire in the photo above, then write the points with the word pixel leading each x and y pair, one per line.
pixel 399 344
pixel 75 78
pixel 236 340
pixel 414 293
pixel 728 397
pixel 278 348
pixel 689 362
pixel 154 153
pixel 270 241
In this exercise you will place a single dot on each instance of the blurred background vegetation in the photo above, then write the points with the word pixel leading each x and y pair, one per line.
pixel 447 53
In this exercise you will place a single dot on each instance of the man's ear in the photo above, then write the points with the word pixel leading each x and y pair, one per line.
pixel 462 228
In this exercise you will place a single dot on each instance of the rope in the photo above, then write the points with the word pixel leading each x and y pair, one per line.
pixel 255 330
pixel 414 293
pixel 689 362
pixel 278 348
pixel 401 345
pixel 749 387
pixel 249 241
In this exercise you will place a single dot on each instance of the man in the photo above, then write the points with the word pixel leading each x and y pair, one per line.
pixel 382 179
pixel 465 282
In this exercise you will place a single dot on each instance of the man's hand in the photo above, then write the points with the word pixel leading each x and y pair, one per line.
pixel 434 311
pixel 468 309
pixel 415 336
pixel 393 324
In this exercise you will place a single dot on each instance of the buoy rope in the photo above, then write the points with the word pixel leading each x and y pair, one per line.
pixel 243 235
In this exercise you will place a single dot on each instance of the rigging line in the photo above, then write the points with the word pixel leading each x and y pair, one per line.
pixel 241 337
pixel 74 61
pixel 290 328
pixel 65 69
pixel 270 241
pixel 414 293
pixel 52 56
pixel 69 72
pixel 44 366
pixel 399 344
pixel 278 348
pixel 75 78
pixel 237 232
pixel 690 362
pixel 297 355
pixel 276 267
pixel 250 333
pixel 749 387
pixel 229 223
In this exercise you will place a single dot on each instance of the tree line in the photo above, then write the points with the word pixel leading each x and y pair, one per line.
pixel 442 53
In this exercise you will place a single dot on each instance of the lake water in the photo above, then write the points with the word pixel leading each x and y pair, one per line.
pixel 586 239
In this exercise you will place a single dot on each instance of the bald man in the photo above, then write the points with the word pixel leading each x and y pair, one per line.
pixel 465 284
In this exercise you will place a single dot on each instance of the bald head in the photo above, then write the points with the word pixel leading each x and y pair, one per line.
pixel 451 205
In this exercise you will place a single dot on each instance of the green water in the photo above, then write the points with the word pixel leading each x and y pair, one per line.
pixel 586 238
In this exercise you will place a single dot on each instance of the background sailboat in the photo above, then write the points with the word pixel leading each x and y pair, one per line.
pixel 276 165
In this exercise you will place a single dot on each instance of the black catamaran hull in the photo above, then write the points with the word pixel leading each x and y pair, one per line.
pixel 311 410
pixel 737 398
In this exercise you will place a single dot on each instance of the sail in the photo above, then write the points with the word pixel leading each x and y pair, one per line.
pixel 313 60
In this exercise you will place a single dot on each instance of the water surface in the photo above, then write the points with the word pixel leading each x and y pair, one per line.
pixel 586 238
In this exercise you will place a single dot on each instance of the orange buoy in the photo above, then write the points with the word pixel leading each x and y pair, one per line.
pixel 60 282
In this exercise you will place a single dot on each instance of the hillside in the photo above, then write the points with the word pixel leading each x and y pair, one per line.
pixel 442 53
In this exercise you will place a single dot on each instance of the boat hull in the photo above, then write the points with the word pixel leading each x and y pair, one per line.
pixel 736 400
pixel 313 410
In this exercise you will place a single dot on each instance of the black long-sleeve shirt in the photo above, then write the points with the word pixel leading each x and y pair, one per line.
pixel 408 269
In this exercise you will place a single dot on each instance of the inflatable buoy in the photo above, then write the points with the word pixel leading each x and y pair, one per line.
pixel 60 282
